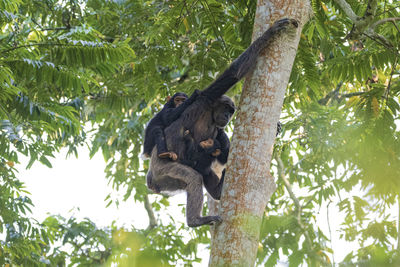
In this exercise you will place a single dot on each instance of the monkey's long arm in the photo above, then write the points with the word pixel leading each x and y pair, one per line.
pixel 172 114
pixel 244 63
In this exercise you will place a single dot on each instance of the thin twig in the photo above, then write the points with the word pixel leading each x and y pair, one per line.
pixel 395 25
pixel 217 32
pixel 296 201
pixel 386 10
pixel 382 41
pixel 382 21
pixel 311 199
pixel 348 10
pixel 387 91
pixel 31 45
pixel 330 233
pixel 49 29
pixel 371 9
pixel 287 183
pixel 353 94
pixel 325 100
pixel 150 213
pixel 181 17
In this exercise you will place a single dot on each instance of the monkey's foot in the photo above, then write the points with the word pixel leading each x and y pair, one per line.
pixel 207 143
pixel 210 220
pixel 186 132
pixel 216 153
pixel 217 219
pixel 168 155
pixel 283 24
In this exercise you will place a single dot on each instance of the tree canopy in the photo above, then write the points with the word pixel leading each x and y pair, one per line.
pixel 94 72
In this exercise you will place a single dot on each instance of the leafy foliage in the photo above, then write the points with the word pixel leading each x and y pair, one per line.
pixel 67 67
pixel 50 61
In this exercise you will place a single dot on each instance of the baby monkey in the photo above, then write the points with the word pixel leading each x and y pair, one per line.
pixel 154 132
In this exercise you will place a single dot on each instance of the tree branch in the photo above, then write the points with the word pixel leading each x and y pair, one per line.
pixel 49 29
pixel 330 233
pixel 325 100
pixel 296 201
pixel 150 213
pixel 379 39
pixel 363 26
pixel 339 97
pixel 352 94
pixel 387 10
pixel 382 21
pixel 214 25
pixel 287 183
pixel 347 9
pixel 387 91
pixel 371 9
pixel 37 44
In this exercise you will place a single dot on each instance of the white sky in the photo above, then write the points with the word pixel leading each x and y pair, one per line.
pixel 77 183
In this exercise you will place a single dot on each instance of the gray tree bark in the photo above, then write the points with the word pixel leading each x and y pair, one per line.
pixel 248 183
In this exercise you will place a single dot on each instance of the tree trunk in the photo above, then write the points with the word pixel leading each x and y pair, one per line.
pixel 248 183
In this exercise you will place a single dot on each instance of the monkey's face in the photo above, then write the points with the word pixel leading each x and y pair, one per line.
pixel 223 111
pixel 178 100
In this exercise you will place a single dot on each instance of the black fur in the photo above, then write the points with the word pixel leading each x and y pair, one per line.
pixel 203 118
pixel 200 159
pixel 154 132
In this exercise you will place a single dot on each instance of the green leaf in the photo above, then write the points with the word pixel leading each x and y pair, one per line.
pixel 45 161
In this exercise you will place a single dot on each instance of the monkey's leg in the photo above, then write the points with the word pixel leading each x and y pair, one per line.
pixel 195 205
pixel 148 143
pixel 194 190
pixel 213 184
pixel 162 149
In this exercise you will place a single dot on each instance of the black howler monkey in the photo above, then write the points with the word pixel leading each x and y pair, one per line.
pixel 208 113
